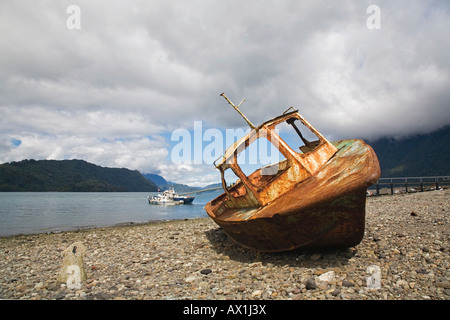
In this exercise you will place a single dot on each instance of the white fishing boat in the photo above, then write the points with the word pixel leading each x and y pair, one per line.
pixel 170 197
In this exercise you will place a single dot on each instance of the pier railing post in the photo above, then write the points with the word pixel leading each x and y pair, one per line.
pixel 425 183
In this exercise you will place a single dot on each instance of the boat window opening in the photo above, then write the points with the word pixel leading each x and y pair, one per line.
pixel 233 183
pixel 297 136
pixel 261 161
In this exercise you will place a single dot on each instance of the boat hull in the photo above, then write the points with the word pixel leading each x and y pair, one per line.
pixel 337 223
pixel 185 199
pixel 326 210
pixel 165 202
pixel 170 197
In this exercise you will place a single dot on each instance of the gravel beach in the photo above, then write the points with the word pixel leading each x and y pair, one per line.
pixel 406 237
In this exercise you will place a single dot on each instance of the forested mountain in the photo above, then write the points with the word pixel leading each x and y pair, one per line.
pixel 69 175
pixel 420 155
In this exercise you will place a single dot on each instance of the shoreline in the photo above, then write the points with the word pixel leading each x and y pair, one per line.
pixel 87 228
pixel 406 237
pixel 383 193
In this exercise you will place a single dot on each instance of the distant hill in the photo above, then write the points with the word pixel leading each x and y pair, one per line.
pixel 70 175
pixel 163 184
pixel 156 179
pixel 420 155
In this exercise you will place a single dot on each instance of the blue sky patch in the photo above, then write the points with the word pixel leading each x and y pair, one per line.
pixel 16 142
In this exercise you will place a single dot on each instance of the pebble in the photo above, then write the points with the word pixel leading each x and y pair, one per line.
pixel 310 284
pixel 206 271
pixel 257 293
pixel 406 236
pixel 347 283
pixel 327 276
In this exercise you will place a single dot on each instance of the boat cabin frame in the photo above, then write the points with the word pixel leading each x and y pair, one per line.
pixel 268 183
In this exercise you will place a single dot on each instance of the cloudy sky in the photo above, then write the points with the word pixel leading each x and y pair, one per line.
pixel 111 82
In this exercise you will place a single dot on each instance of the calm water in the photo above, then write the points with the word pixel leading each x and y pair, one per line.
pixel 37 212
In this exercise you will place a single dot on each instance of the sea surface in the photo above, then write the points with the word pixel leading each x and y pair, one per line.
pixel 44 212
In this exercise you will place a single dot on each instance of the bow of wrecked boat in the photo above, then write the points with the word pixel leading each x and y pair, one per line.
pixel 314 197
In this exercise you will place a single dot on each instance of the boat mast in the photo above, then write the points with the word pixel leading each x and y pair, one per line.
pixel 237 109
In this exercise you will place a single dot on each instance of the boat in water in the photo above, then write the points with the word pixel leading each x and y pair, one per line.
pixel 170 197
pixel 314 197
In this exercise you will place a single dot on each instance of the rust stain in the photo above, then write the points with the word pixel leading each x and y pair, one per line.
pixel 314 197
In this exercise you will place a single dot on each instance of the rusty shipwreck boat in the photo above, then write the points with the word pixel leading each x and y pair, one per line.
pixel 314 197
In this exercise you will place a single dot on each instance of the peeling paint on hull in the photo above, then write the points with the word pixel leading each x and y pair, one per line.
pixel 326 210
pixel 315 197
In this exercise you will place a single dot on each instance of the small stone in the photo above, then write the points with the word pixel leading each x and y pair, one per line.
pixel 382 243
pixel 327 276
pixel 402 283
pixel 21 288
pixel 72 271
pixel 190 279
pixel 348 283
pixel 374 280
pixel 443 284
pixel 290 289
pixel 39 285
pixel 255 264
pixel 257 293
pixel 310 284
pixel 297 297
pixel 206 271
pixel 323 285
pixel 336 292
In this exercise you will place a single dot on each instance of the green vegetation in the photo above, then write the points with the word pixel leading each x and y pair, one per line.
pixel 70 175
pixel 420 155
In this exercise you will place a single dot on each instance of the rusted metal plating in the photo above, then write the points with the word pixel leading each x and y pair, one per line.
pixel 315 197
